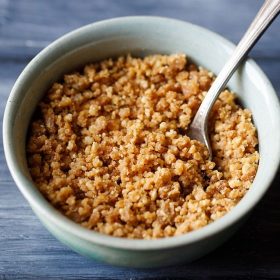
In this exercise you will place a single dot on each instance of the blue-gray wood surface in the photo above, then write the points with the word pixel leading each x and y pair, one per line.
pixel 27 250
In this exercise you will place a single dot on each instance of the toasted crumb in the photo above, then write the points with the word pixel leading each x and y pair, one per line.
pixel 109 148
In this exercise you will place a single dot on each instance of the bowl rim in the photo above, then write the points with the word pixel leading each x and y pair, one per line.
pixel 40 204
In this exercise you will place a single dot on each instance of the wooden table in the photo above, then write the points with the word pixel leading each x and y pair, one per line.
pixel 27 250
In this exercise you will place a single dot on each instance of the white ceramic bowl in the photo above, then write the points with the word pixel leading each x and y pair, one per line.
pixel 140 36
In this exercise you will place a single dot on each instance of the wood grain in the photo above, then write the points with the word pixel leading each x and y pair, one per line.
pixel 27 26
pixel 27 250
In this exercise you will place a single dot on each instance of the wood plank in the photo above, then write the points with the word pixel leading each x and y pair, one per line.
pixel 28 26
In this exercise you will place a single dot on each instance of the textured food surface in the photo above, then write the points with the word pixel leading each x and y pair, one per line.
pixel 108 147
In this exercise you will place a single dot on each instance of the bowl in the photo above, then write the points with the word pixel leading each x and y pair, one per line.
pixel 140 36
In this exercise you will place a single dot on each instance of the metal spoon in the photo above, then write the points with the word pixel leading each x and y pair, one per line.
pixel 199 127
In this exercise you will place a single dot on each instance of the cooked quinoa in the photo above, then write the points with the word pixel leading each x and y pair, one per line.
pixel 108 147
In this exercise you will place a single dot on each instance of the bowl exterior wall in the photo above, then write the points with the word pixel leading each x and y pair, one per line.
pixel 141 259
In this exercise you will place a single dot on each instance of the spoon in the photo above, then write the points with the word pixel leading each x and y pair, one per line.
pixel 199 127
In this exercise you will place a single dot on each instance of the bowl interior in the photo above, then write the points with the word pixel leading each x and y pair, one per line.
pixel 141 36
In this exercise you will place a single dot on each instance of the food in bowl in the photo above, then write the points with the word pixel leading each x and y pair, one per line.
pixel 108 147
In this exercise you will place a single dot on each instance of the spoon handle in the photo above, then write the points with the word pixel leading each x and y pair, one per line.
pixel 263 19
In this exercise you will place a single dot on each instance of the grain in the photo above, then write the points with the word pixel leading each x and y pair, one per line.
pixel 108 147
